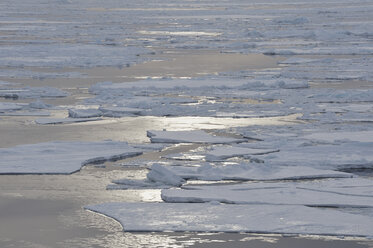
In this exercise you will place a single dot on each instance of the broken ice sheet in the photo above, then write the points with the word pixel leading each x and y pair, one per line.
pixel 60 157
pixel 196 136
pixel 278 193
pixel 220 153
pixel 205 217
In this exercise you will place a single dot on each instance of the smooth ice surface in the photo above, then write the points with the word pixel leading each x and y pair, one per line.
pixel 196 136
pixel 282 193
pixel 60 157
pixel 235 218
pixel 252 171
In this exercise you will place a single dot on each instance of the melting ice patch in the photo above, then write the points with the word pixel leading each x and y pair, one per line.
pixel 60 157
pixel 235 218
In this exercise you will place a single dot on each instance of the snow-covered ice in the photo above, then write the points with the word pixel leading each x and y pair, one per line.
pixel 234 218
pixel 60 157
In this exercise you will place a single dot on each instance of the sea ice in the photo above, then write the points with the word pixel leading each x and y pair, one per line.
pixel 326 156
pixel 332 137
pixel 275 193
pixel 158 173
pixel 220 153
pixel 60 157
pixel 32 92
pixel 46 121
pixel 116 111
pixel 205 217
pixel 252 171
pixel 10 106
pixel 84 113
pixel 196 136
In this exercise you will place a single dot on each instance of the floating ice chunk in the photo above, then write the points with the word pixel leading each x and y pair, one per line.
pixel 26 113
pixel 297 60
pixel 235 218
pixel 179 33
pixel 264 83
pixel 84 113
pixel 136 184
pixel 253 171
pixel 292 21
pixel 39 104
pixel 3 83
pixel 159 173
pixel 10 106
pixel 115 111
pixel 60 157
pixel 46 121
pixel 332 137
pixel 196 136
pixel 328 156
pixel 219 153
pixel 32 92
pixel 286 193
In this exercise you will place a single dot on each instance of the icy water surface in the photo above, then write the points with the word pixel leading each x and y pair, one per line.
pixel 250 123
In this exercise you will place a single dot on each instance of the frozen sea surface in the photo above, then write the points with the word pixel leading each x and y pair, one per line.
pixel 272 91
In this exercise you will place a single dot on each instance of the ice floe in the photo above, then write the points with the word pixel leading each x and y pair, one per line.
pixel 10 106
pixel 32 92
pixel 61 157
pixel 84 113
pixel 235 218
pixel 196 136
pixel 282 193
pixel 46 121
pixel 220 153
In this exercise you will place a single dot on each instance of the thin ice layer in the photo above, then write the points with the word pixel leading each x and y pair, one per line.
pixel 281 193
pixel 195 136
pixel 235 218
pixel 60 157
